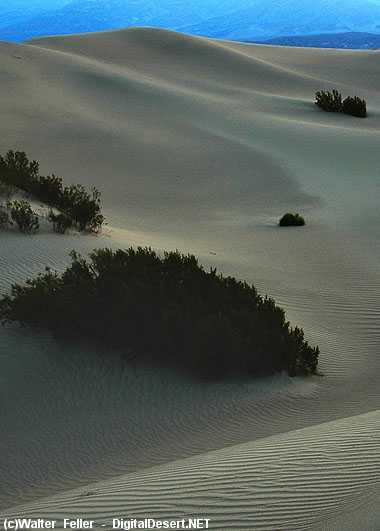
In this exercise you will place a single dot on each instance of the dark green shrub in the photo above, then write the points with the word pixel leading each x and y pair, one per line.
pixel 83 207
pixel 48 189
pixel 291 220
pixel 329 101
pixel 355 107
pixel 169 309
pixel 332 102
pixel 75 202
pixel 61 222
pixel 22 214
pixel 17 170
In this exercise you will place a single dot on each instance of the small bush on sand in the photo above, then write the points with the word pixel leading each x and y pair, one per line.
pixel 17 170
pixel 291 220
pixel 355 107
pixel 61 222
pixel 332 102
pixel 47 189
pixel 169 309
pixel 83 207
pixel 329 101
pixel 25 218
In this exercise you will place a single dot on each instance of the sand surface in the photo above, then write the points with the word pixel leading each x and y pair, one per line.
pixel 200 145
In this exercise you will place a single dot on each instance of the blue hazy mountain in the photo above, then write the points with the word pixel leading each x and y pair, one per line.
pixel 350 40
pixel 231 19
pixel 94 15
pixel 271 18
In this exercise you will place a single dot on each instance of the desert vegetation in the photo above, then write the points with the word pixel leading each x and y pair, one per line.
pixel 291 220
pixel 333 102
pixel 355 106
pixel 167 308
pixel 70 206
pixel 22 214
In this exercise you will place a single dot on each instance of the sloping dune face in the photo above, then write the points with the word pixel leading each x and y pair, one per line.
pixel 200 145
pixel 297 480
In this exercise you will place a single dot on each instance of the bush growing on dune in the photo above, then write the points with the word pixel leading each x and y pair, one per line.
pixel 16 170
pixel 74 202
pixel 83 207
pixel 332 102
pixel 23 216
pixel 329 101
pixel 291 220
pixel 61 222
pixel 355 106
pixel 167 308
pixel 48 188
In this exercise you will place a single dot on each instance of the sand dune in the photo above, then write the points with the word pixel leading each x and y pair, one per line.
pixel 302 479
pixel 201 145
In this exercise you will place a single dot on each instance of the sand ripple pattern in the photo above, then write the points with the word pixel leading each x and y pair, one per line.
pixel 300 480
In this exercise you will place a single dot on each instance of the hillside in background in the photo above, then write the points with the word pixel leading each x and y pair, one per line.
pixel 77 16
pixel 271 19
pixel 228 19
pixel 349 40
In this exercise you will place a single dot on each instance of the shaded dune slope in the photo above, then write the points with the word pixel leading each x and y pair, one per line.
pixel 299 480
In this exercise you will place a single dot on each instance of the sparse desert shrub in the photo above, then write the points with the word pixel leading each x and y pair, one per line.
pixel 169 309
pixel 48 189
pixel 4 218
pixel 355 106
pixel 61 222
pixel 23 215
pixel 291 220
pixel 329 101
pixel 83 207
pixel 332 102
pixel 17 170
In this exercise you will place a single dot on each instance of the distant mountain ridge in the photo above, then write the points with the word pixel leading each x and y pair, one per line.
pixel 269 19
pixel 79 16
pixel 350 40
pixel 244 20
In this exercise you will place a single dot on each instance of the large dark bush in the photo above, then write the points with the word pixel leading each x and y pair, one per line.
pixel 75 202
pixel 291 220
pixel 23 215
pixel 329 101
pixel 355 107
pixel 169 309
